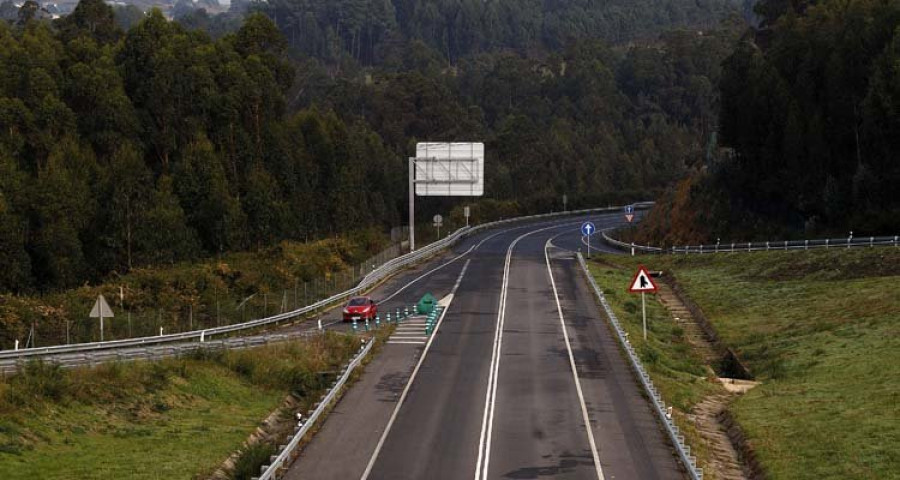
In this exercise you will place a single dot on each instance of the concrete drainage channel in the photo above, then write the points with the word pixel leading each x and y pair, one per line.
pixel 278 464
pixel 659 406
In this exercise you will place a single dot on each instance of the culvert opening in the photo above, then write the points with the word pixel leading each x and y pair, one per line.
pixel 730 366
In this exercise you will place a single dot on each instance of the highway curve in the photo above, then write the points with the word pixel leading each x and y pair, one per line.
pixel 520 361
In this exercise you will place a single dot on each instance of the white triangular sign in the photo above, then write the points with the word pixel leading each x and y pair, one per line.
pixel 629 217
pixel 101 309
pixel 642 282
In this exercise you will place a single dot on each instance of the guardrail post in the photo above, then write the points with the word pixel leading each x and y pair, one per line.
pixel 160 331
pixel 355 326
pixel 388 319
pixel 785 244
pixel 826 243
pixel 895 240
pixel 732 247
pixel 16 348
pixel 367 324
pixel 806 244
pixel 701 249
pixel 871 241
pixel 767 246
pixel 377 321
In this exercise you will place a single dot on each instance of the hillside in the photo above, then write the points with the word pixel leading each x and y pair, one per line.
pixel 809 129
pixel 160 144
pixel 813 327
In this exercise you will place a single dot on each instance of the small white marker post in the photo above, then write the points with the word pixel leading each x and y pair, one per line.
pixel 320 324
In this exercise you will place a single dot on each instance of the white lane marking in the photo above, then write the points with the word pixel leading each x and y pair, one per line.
pixel 412 377
pixel 470 250
pixel 395 342
pixel 562 324
pixel 487 421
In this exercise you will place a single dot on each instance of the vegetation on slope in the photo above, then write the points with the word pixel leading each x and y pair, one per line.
pixel 819 330
pixel 191 295
pixel 809 115
pixel 170 419
pixel 160 144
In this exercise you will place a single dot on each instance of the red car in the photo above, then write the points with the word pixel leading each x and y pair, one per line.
pixel 360 308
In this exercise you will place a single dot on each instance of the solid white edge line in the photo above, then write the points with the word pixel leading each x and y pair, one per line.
pixel 409 382
pixel 487 422
pixel 562 323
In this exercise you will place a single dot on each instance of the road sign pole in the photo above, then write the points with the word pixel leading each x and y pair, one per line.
pixel 644 310
pixel 589 246
pixel 412 209
pixel 101 327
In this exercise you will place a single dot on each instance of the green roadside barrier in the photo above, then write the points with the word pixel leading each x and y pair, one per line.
pixel 426 304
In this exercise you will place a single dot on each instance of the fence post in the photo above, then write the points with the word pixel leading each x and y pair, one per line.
pixel 785 244
pixel 732 247
pixel 871 241
pixel 767 246
pixel 895 240
pixel 748 246
pixel 826 243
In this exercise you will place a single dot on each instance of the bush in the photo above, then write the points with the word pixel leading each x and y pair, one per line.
pixel 251 459
pixel 43 381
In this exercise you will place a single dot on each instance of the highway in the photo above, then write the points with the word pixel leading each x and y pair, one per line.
pixel 523 379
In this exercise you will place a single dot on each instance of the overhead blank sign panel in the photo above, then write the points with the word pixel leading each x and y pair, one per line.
pixel 449 169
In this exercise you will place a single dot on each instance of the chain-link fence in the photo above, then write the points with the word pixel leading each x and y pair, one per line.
pixel 197 308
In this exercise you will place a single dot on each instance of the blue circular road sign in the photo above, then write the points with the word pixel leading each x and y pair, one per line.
pixel 588 228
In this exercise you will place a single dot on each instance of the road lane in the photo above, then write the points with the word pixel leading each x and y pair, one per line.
pixel 538 424
pixel 629 438
pixel 538 429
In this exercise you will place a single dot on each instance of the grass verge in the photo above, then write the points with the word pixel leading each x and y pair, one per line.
pixel 820 329
pixel 177 418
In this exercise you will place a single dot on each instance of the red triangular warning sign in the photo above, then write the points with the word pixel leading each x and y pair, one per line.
pixel 629 217
pixel 642 282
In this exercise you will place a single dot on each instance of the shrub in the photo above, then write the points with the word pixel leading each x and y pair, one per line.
pixel 251 459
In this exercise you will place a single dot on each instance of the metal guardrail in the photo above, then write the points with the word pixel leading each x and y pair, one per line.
pixel 285 456
pixel 158 352
pixel 736 247
pixel 659 406
pixel 378 274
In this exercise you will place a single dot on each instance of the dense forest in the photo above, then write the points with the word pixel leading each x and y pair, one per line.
pixel 164 142
pixel 810 122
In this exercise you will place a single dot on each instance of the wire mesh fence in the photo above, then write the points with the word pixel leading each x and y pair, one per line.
pixel 209 308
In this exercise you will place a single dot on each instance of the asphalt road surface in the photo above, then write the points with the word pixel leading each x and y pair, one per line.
pixel 523 379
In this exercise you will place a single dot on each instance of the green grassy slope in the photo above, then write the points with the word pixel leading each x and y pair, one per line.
pixel 821 329
pixel 165 420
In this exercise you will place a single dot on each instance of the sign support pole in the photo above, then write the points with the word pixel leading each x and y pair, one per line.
pixel 644 310
pixel 412 209
pixel 101 325
pixel 589 245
